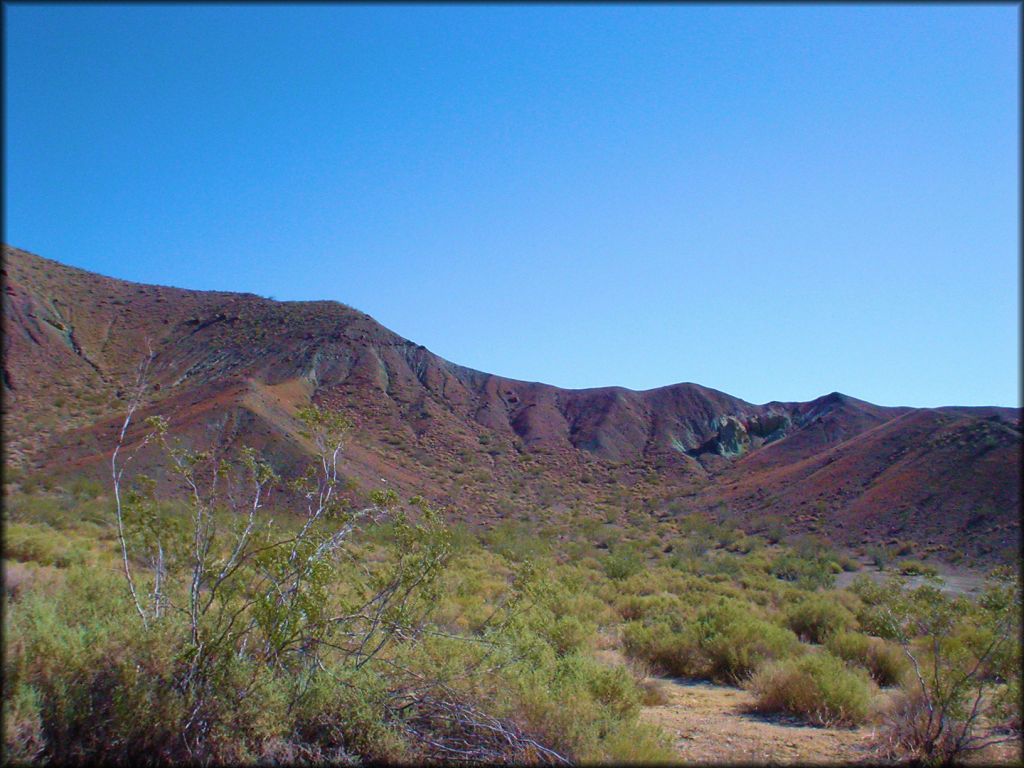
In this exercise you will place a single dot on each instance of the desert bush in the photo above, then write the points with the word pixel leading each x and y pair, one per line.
pixel 653 693
pixel 774 531
pixel 809 545
pixel 745 544
pixel 817 687
pixel 652 690
pixel 584 710
pixel 26 543
pixel 83 488
pixel 56 508
pixel 563 611
pixel 723 642
pixel 808 571
pixel 735 643
pixel 42 545
pixel 883 660
pixel 904 548
pixel 71 653
pixel 634 607
pixel 231 635
pixel 670 651
pixel 622 562
pixel 847 562
pixel 849 600
pixel 24 741
pixel 567 634
pixel 909 731
pixel 90 687
pixel 724 565
pixel 817 616
pixel 342 714
pixel 470 587
pixel 877 555
pixel 948 709
pixel 514 541
pixel 916 568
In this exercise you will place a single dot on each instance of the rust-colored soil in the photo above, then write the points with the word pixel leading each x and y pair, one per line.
pixel 229 370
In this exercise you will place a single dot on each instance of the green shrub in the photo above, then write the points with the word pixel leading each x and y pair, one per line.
pixel 817 687
pixel 724 642
pixel 916 568
pixel 513 540
pixel 847 563
pixel 808 571
pixel 582 708
pixel 41 544
pixel 102 689
pixel 883 660
pixel 817 616
pixel 633 607
pixel 653 693
pixel 675 652
pixel 877 555
pixel 745 544
pixel 735 643
pixel 947 710
pixel 23 725
pixel 622 563
pixel 84 488
pixel 24 543
pixel 612 687
pixel 567 633
pixel 342 715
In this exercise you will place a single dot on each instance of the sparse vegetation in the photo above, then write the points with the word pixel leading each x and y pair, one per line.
pixel 343 624
pixel 493 650
pixel 234 636
pixel 916 568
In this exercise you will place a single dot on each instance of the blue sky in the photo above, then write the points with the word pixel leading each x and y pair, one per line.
pixel 775 201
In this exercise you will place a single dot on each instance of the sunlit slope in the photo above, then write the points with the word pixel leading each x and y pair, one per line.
pixel 231 369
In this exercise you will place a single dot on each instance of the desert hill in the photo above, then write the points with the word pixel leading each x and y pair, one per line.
pixel 230 369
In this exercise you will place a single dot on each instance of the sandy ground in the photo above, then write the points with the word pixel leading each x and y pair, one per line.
pixel 708 724
pixel 955 583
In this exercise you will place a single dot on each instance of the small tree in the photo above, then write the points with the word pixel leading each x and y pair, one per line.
pixel 298 621
pixel 282 601
pixel 962 693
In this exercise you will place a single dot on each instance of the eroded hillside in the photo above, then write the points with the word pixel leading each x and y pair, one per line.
pixel 231 369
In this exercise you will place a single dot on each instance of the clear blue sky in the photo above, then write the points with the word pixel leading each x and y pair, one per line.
pixel 775 201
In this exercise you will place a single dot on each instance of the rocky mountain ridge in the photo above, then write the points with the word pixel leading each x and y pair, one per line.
pixel 231 369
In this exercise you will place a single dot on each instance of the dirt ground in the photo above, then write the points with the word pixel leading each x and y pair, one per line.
pixel 955 582
pixel 710 724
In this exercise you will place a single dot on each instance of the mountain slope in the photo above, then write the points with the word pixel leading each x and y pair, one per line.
pixel 231 369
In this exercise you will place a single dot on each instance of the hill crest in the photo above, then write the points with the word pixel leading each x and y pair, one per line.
pixel 232 368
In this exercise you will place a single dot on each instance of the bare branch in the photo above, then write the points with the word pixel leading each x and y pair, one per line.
pixel 116 473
